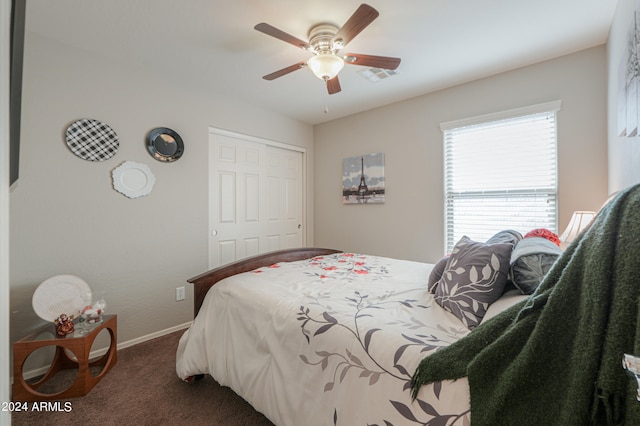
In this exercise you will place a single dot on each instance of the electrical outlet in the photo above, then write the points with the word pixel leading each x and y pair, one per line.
pixel 179 294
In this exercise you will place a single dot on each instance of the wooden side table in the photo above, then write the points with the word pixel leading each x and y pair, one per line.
pixel 80 345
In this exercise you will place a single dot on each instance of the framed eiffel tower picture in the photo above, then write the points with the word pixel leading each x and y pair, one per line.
pixel 363 179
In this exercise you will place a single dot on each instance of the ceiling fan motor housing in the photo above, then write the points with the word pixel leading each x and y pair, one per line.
pixel 320 38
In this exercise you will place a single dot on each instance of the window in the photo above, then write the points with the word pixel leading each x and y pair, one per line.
pixel 500 173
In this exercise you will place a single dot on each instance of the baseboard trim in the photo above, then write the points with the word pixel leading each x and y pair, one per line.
pixel 146 337
pixel 123 345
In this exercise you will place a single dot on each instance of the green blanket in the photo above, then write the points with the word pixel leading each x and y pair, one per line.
pixel 556 358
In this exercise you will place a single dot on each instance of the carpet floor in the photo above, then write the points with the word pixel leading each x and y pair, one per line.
pixel 143 389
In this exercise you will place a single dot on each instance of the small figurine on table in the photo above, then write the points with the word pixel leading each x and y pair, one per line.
pixel 92 314
pixel 64 325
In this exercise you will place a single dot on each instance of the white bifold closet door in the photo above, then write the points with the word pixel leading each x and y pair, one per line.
pixel 256 199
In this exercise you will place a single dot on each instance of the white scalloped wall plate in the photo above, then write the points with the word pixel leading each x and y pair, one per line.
pixel 133 179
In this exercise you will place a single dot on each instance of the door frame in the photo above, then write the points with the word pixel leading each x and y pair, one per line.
pixel 268 142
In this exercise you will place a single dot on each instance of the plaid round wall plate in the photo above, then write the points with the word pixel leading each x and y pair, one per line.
pixel 92 140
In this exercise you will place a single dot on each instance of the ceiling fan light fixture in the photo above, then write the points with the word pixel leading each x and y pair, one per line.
pixel 325 65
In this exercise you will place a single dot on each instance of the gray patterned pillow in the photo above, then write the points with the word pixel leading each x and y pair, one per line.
pixel 506 236
pixel 474 278
pixel 436 274
pixel 531 259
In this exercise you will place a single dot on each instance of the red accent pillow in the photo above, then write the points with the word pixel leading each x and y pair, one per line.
pixel 544 233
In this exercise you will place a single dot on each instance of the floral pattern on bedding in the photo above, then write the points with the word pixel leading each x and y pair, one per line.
pixel 426 338
pixel 344 266
pixel 339 365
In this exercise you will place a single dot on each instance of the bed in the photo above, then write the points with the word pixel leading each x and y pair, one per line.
pixel 321 337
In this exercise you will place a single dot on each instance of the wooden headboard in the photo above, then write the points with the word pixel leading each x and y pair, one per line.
pixel 203 282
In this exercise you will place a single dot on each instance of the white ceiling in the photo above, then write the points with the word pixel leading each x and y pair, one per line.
pixel 212 43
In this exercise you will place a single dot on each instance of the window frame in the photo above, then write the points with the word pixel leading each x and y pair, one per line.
pixel 548 107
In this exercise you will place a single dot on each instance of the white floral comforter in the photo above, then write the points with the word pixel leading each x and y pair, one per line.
pixel 332 340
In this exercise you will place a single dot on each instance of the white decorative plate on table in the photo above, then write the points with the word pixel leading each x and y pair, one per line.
pixel 133 179
pixel 61 294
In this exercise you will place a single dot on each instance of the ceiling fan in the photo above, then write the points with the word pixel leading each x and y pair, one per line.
pixel 325 41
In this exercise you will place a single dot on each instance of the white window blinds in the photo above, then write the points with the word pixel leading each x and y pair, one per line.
pixel 500 174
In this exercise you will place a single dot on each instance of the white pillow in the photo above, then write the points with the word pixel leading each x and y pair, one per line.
pixel 507 300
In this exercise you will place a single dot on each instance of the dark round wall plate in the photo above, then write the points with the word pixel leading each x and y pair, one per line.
pixel 164 144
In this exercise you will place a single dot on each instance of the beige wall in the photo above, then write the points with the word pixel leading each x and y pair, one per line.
pixel 624 152
pixel 410 224
pixel 67 219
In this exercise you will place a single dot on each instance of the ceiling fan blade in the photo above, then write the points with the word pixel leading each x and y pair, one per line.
pixel 384 62
pixel 360 19
pixel 285 71
pixel 279 34
pixel 333 85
